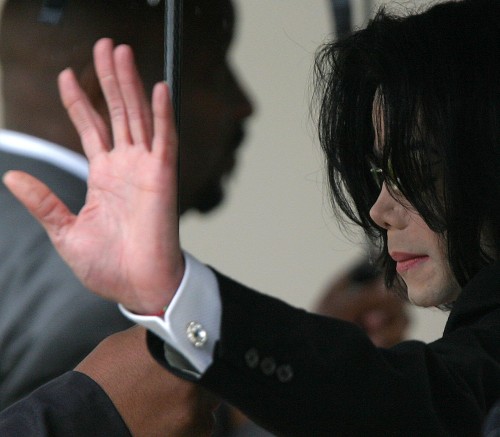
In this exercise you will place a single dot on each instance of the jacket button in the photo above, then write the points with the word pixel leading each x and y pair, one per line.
pixel 268 366
pixel 284 373
pixel 252 358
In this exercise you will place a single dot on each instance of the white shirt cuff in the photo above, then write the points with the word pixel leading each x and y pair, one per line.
pixel 191 324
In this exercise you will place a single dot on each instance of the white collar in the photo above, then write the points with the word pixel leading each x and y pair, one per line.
pixel 32 147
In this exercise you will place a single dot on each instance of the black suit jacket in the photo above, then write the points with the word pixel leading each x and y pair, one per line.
pixel 299 374
pixel 492 424
pixel 48 320
pixel 70 405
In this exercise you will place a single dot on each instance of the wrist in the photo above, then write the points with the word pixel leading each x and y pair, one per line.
pixel 155 303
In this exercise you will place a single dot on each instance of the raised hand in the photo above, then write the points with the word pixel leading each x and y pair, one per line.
pixel 124 243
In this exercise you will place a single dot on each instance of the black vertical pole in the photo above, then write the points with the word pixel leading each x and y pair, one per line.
pixel 173 53
pixel 172 63
pixel 342 15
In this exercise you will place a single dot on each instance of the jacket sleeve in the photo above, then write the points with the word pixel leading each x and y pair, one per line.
pixel 492 423
pixel 70 405
pixel 300 374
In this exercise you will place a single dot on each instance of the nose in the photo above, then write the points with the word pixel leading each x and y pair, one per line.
pixel 243 106
pixel 388 212
pixel 246 106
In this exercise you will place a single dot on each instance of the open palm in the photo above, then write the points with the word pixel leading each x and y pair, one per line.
pixel 124 243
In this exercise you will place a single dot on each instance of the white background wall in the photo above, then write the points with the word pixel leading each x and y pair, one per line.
pixel 276 231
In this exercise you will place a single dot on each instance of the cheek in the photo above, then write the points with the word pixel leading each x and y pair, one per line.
pixel 202 150
pixel 204 119
pixel 425 238
pixel 430 243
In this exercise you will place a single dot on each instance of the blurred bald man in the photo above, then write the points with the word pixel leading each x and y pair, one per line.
pixel 48 321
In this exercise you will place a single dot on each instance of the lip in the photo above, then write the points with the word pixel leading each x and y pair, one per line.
pixel 407 261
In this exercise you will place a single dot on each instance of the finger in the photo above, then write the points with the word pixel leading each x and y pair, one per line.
pixel 106 72
pixel 165 134
pixel 40 201
pixel 137 106
pixel 88 123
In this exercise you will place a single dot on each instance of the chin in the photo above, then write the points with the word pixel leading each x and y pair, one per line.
pixel 203 202
pixel 422 299
pixel 437 294
pixel 209 201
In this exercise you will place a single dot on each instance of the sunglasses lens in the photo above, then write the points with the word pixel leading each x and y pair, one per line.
pixel 391 176
pixel 379 177
pixel 377 174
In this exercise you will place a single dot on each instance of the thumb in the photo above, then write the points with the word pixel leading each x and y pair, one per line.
pixel 39 200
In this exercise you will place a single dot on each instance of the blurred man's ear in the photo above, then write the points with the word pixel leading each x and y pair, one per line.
pixel 51 11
